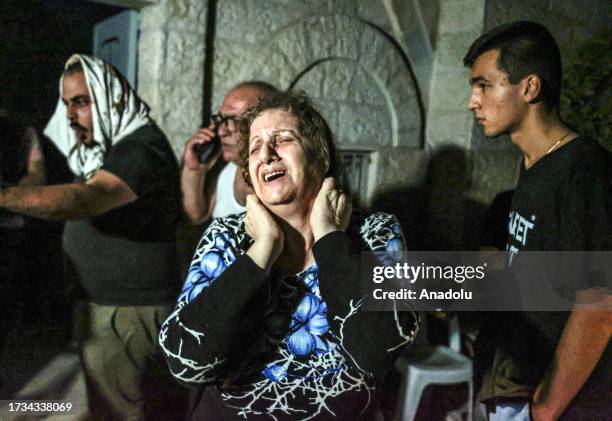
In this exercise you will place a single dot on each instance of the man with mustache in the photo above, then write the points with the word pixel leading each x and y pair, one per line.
pixel 216 188
pixel 121 213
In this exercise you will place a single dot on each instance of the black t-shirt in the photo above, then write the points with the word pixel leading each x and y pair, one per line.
pixel 562 203
pixel 494 231
pixel 127 256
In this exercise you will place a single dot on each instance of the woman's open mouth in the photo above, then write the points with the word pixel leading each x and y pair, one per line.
pixel 270 176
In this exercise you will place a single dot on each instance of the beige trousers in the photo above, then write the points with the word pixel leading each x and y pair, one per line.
pixel 118 345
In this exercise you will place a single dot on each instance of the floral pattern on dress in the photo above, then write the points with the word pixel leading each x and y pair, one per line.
pixel 311 359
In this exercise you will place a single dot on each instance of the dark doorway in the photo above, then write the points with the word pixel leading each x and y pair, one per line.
pixel 36 39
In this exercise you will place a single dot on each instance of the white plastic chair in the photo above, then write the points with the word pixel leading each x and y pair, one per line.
pixel 423 365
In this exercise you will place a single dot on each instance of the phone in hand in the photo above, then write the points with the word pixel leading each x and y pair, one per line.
pixel 205 151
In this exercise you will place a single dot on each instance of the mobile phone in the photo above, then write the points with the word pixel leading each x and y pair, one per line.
pixel 205 151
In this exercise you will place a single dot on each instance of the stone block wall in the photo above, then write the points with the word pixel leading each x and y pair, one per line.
pixel 326 49
pixel 448 120
pixel 339 51
pixel 171 65
pixel 375 76
pixel 569 21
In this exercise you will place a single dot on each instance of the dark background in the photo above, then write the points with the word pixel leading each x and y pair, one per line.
pixel 36 39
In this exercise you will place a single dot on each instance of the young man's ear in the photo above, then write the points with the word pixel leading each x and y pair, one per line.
pixel 532 87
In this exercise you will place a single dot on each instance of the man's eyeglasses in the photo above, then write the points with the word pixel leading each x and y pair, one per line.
pixel 220 119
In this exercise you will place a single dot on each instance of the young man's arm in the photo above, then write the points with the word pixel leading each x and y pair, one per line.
pixel 101 193
pixel 584 340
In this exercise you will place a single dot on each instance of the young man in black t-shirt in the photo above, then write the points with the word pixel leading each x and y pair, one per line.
pixel 119 239
pixel 549 365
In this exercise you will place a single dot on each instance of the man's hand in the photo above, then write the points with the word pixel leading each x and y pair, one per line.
pixel 267 234
pixel 201 137
pixel 585 337
pixel 199 194
pixel 331 210
pixel 541 413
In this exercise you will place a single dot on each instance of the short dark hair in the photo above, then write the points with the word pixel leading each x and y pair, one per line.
pixel 524 48
pixel 317 137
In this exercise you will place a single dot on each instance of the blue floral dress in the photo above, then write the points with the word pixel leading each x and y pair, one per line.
pixel 320 354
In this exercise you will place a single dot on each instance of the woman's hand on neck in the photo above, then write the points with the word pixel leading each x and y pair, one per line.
pixel 284 240
pixel 268 237
pixel 296 228
pixel 331 210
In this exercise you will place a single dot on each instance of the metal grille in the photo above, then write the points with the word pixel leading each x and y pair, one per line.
pixel 354 178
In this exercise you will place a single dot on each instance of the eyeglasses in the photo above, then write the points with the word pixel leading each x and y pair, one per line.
pixel 219 119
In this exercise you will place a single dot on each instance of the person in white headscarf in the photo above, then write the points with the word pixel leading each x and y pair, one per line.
pixel 119 238
pixel 97 110
pixel 115 112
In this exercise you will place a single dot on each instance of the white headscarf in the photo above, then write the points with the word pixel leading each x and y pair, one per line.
pixel 116 110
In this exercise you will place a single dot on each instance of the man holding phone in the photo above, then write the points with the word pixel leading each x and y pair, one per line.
pixel 213 187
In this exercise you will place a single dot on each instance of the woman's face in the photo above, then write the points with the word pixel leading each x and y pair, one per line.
pixel 277 163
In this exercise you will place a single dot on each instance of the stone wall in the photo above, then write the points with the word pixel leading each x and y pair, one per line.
pixel 448 120
pixel 570 21
pixel 341 52
pixel 387 74
pixel 171 65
